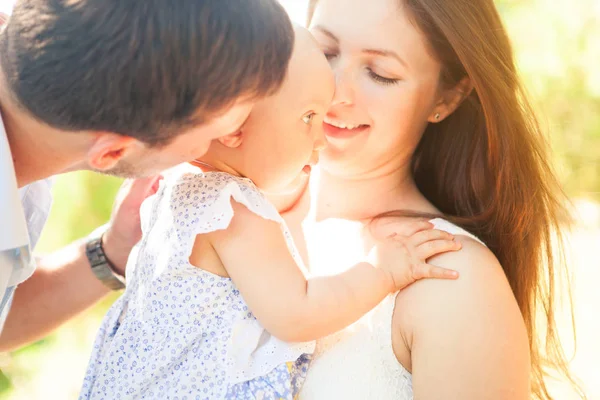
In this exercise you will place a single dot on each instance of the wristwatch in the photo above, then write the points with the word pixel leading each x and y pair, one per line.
pixel 101 265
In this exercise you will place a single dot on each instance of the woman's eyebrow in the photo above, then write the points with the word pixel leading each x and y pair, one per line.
pixel 327 33
pixel 386 53
pixel 372 52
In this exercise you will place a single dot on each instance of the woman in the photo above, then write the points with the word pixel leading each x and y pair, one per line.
pixel 429 118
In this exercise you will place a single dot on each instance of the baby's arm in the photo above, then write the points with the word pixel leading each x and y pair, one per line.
pixel 290 306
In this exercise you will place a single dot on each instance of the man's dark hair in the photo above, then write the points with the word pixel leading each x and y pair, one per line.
pixel 148 69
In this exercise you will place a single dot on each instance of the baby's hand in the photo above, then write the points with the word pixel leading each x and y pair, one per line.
pixel 405 257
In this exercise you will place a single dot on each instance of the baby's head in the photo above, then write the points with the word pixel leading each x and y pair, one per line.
pixel 283 135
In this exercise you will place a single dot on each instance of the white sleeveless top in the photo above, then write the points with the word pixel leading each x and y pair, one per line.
pixel 359 363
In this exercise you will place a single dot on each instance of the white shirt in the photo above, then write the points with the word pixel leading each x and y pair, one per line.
pixel 36 199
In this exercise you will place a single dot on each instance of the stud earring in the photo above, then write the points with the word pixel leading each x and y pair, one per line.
pixel 437 116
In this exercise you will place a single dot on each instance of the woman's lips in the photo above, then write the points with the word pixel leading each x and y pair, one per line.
pixel 343 133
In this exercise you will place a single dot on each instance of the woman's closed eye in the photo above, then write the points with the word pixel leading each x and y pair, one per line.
pixel 380 79
pixel 329 53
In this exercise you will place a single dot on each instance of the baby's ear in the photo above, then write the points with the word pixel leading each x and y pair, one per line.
pixel 232 141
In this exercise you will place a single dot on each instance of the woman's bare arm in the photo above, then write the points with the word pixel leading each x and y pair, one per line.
pixel 464 339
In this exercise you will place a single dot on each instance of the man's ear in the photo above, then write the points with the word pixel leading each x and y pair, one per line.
pixel 451 99
pixel 108 149
pixel 232 141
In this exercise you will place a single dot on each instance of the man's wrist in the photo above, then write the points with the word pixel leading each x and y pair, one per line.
pixel 101 262
pixel 112 249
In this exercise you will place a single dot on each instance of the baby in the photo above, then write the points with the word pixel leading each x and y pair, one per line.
pixel 218 305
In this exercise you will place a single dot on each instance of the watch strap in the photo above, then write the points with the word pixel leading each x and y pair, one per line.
pixel 101 265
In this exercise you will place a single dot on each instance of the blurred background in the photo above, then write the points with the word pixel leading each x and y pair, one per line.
pixel 558 49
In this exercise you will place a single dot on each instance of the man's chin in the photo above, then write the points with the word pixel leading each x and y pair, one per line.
pixel 126 170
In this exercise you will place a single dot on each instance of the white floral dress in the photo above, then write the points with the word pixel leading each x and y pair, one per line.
pixel 179 332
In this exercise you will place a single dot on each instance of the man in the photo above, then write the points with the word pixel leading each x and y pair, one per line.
pixel 127 88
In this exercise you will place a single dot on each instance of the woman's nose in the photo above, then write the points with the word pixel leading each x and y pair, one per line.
pixel 344 85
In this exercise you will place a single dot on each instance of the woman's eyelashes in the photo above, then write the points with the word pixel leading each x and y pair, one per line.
pixel 380 79
pixel 331 55
pixel 329 52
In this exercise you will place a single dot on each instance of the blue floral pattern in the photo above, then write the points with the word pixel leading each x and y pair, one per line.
pixel 179 332
pixel 284 382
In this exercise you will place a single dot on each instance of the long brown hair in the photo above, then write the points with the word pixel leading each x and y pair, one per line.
pixel 486 167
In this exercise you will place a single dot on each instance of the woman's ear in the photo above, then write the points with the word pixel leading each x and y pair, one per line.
pixel 451 99
pixel 232 141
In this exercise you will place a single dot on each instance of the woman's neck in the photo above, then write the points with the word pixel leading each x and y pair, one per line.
pixel 360 198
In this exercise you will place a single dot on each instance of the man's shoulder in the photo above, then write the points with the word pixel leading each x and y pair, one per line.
pixel 36 199
pixel 41 186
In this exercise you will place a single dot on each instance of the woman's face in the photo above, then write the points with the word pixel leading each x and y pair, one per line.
pixel 387 85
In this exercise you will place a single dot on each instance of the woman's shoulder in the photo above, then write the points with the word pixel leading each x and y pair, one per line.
pixel 445 225
pixel 476 263
pixel 471 308
pixel 462 328
pixel 482 282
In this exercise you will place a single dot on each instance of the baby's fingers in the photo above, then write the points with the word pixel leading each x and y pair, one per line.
pixel 432 248
pixel 428 271
pixel 428 235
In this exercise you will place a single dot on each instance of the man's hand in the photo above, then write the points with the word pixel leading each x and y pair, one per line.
pixel 125 229
pixel 63 284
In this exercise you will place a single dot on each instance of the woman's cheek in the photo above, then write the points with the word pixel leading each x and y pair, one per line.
pixel 386 107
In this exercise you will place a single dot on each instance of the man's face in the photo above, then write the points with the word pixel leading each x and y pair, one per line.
pixel 145 161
